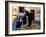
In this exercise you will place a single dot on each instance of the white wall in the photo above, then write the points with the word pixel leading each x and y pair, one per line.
pixel 2 17
pixel 14 10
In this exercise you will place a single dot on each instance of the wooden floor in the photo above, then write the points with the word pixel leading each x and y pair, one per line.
pixel 33 26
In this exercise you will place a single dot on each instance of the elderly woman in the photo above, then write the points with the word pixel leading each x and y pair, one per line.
pixel 22 19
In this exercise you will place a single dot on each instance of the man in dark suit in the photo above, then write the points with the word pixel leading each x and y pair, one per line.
pixel 29 17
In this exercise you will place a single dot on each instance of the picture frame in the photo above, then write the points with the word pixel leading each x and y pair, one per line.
pixel 9 8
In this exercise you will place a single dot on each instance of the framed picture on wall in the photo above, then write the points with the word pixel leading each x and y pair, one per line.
pixel 24 18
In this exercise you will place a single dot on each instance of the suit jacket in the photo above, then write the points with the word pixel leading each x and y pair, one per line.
pixel 29 15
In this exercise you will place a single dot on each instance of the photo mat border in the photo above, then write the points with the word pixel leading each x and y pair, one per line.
pixel 6 18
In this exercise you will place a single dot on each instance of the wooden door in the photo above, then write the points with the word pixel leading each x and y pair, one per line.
pixel 33 14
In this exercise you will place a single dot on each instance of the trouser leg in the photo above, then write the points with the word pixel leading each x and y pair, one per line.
pixel 30 21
